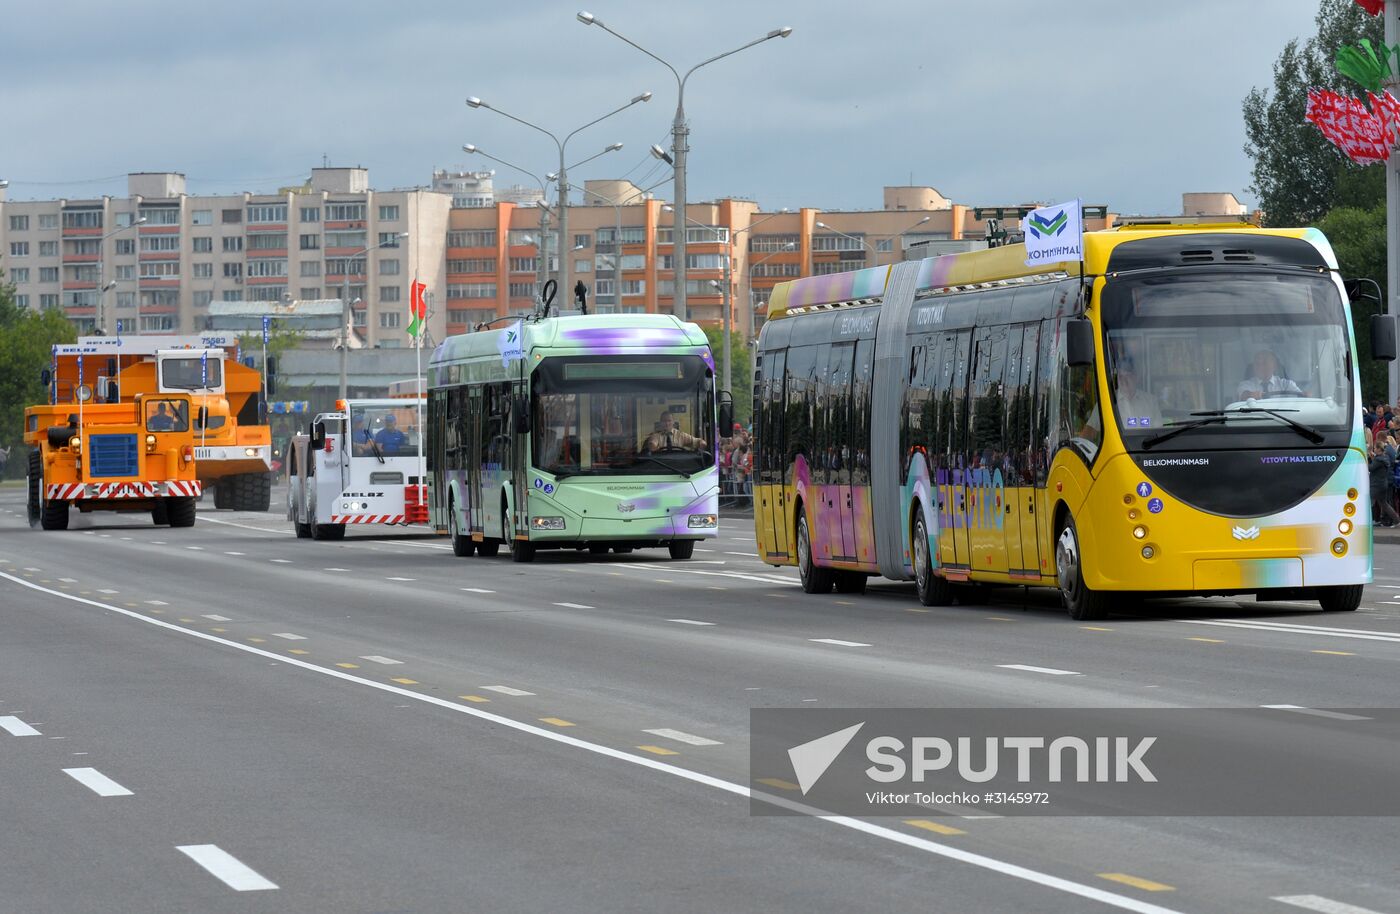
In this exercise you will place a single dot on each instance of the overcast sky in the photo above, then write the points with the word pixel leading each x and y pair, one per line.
pixel 1124 102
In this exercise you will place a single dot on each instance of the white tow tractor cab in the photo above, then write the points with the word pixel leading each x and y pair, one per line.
pixel 360 465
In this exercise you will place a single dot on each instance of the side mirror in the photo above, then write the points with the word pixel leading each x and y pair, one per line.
pixel 1383 337
pixel 1079 342
pixel 318 436
pixel 726 414
pixel 201 418
pixel 46 377
pixel 521 409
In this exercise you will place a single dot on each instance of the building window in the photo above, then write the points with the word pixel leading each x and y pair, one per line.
pixel 124 220
pixel 161 215
pixel 311 268
pixel 268 267
pixel 781 269
pixel 160 269
pixel 522 290
pixel 83 246
pixel 202 270
pixel 267 241
pixel 126 299
pixel 583 241
pixel 389 320
pixel 388 268
pixel 233 270
pixel 88 218
pixel 19 248
pixel 345 239
pixel 358 316
pixel 342 266
pixel 389 239
pixel 837 243
pixel 76 273
pixel 269 212
pixel 389 294
pixel 583 266
pixel 524 264
pixel 48 220
pixel 232 217
pixel 157 322
pixel 884 245
pixel 309 293
pixel 483 238
pixel 472 265
pixel 21 274
pixel 233 243
pixel 345 212
pixel 22 302
pixel 48 300
pixel 311 242
pixel 267 293
pixel 203 245
pixel 232 295
pixel 202 298
pixel 50 248
pixel 634 287
pixel 310 214
pixel 125 246
pixel 156 243
pixel 472 290
pixel 19 223
pixel 202 217
pixel 468 316
pixel 388 214
pixel 126 271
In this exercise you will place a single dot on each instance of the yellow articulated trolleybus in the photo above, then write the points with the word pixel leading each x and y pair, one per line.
pixel 1177 414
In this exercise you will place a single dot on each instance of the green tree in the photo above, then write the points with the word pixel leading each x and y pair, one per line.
pixel 741 371
pixel 1358 238
pixel 27 339
pixel 279 340
pixel 1298 174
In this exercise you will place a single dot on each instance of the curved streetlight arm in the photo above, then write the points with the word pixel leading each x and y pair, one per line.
pixel 590 19
pixel 473 150
pixel 837 231
pixel 597 155
pixel 644 97
pixel 776 33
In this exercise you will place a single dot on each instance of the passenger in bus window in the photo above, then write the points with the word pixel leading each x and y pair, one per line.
pixel 1266 379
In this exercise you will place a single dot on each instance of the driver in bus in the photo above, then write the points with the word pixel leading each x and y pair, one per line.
pixel 389 438
pixel 668 437
pixel 1266 380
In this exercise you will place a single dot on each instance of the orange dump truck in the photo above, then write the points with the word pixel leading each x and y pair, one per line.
pixel 132 455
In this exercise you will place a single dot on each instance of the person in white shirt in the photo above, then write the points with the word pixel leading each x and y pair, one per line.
pixel 1265 379
pixel 1137 408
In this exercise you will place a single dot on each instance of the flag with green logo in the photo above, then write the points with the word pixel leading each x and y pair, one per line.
pixel 418 305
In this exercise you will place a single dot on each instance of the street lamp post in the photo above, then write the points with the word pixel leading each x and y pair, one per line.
pixel 563 271
pixel 345 305
pixel 785 249
pixel 680 135
pixel 102 287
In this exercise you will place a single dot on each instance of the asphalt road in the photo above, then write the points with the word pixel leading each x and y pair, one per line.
pixel 226 718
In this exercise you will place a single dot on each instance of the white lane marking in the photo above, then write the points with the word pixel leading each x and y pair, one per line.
pixel 229 523
pixel 289 636
pixel 573 605
pixel 157 542
pixel 335 569
pixel 1038 669
pixel 16 727
pixel 400 579
pixel 156 603
pixel 1299 709
pixel 97 782
pixel 1325 905
pixel 282 561
pixel 647 567
pixel 689 622
pixel 477 590
pixel 507 690
pixel 235 553
pixel 69 580
pixel 992 864
pixel 681 736
pixel 32 568
pixel 226 868
pixel 1286 629
pixel 839 642
pixel 107 590
pixel 376 658
pixel 752 555
pixel 214 617
pixel 196 548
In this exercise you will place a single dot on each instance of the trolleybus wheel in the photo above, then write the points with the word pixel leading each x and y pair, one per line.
pixel 34 502
pixel 933 590
pixel 814 579
pixel 1343 599
pixel 461 545
pixel 681 549
pixel 597 549
pixel 1083 604
pixel 520 550
pixel 488 548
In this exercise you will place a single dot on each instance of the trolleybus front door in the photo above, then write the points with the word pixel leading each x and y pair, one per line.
pixel 772 458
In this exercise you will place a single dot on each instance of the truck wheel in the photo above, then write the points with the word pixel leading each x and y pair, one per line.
pixel 160 513
pixel 1084 605
pixel 180 510
pixel 53 513
pixel 681 549
pixel 34 502
pixel 223 494
pixel 251 492
pixel 327 531
pixel 303 530
pixel 461 545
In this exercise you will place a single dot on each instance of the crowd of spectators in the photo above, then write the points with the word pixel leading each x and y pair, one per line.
pixel 1382 424
pixel 736 467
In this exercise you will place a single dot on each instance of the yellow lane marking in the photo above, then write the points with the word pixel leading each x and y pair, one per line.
pixel 155 611
pixel 1137 882
pixel 186 620
pixel 657 750
pixel 84 592
pixel 556 721
pixel 778 783
pixel 844 603
pixel 663 580
pixel 348 666
pixel 218 630
pixel 1207 640
pixel 406 681
pixel 1336 653
pixel 1095 628
pixel 917 610
pixel 935 827
pixel 297 650
pixel 476 698
pixel 258 640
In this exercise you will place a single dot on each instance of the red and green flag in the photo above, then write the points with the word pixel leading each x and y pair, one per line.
pixel 418 304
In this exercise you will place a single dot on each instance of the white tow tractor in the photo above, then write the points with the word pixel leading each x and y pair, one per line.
pixel 362 464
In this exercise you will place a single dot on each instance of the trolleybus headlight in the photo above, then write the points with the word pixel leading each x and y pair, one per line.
pixel 1140 532
pixel 1348 509
pixel 1344 526
pixel 1339 547
pixel 547 523
pixel 1132 514
pixel 1351 494
pixel 1149 552
pixel 704 520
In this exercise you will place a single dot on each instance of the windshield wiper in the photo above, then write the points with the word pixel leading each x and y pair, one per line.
pixel 1307 431
pixel 374 446
pixel 665 463
pixel 1180 428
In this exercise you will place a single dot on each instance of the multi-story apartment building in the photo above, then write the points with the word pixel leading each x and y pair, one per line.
pixel 157 258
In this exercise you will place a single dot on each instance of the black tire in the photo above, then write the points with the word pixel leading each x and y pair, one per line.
pixel 681 549
pixel 622 550
pixel 160 513
pixel 34 502
pixel 180 510
pixel 521 551
pixel 223 494
pixel 851 581
pixel 1084 605
pixel 932 589
pixel 597 550
pixel 257 493
pixel 814 579
pixel 326 531
pixel 1342 599
pixel 488 548
pixel 54 515
pixel 303 530
pixel 462 546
